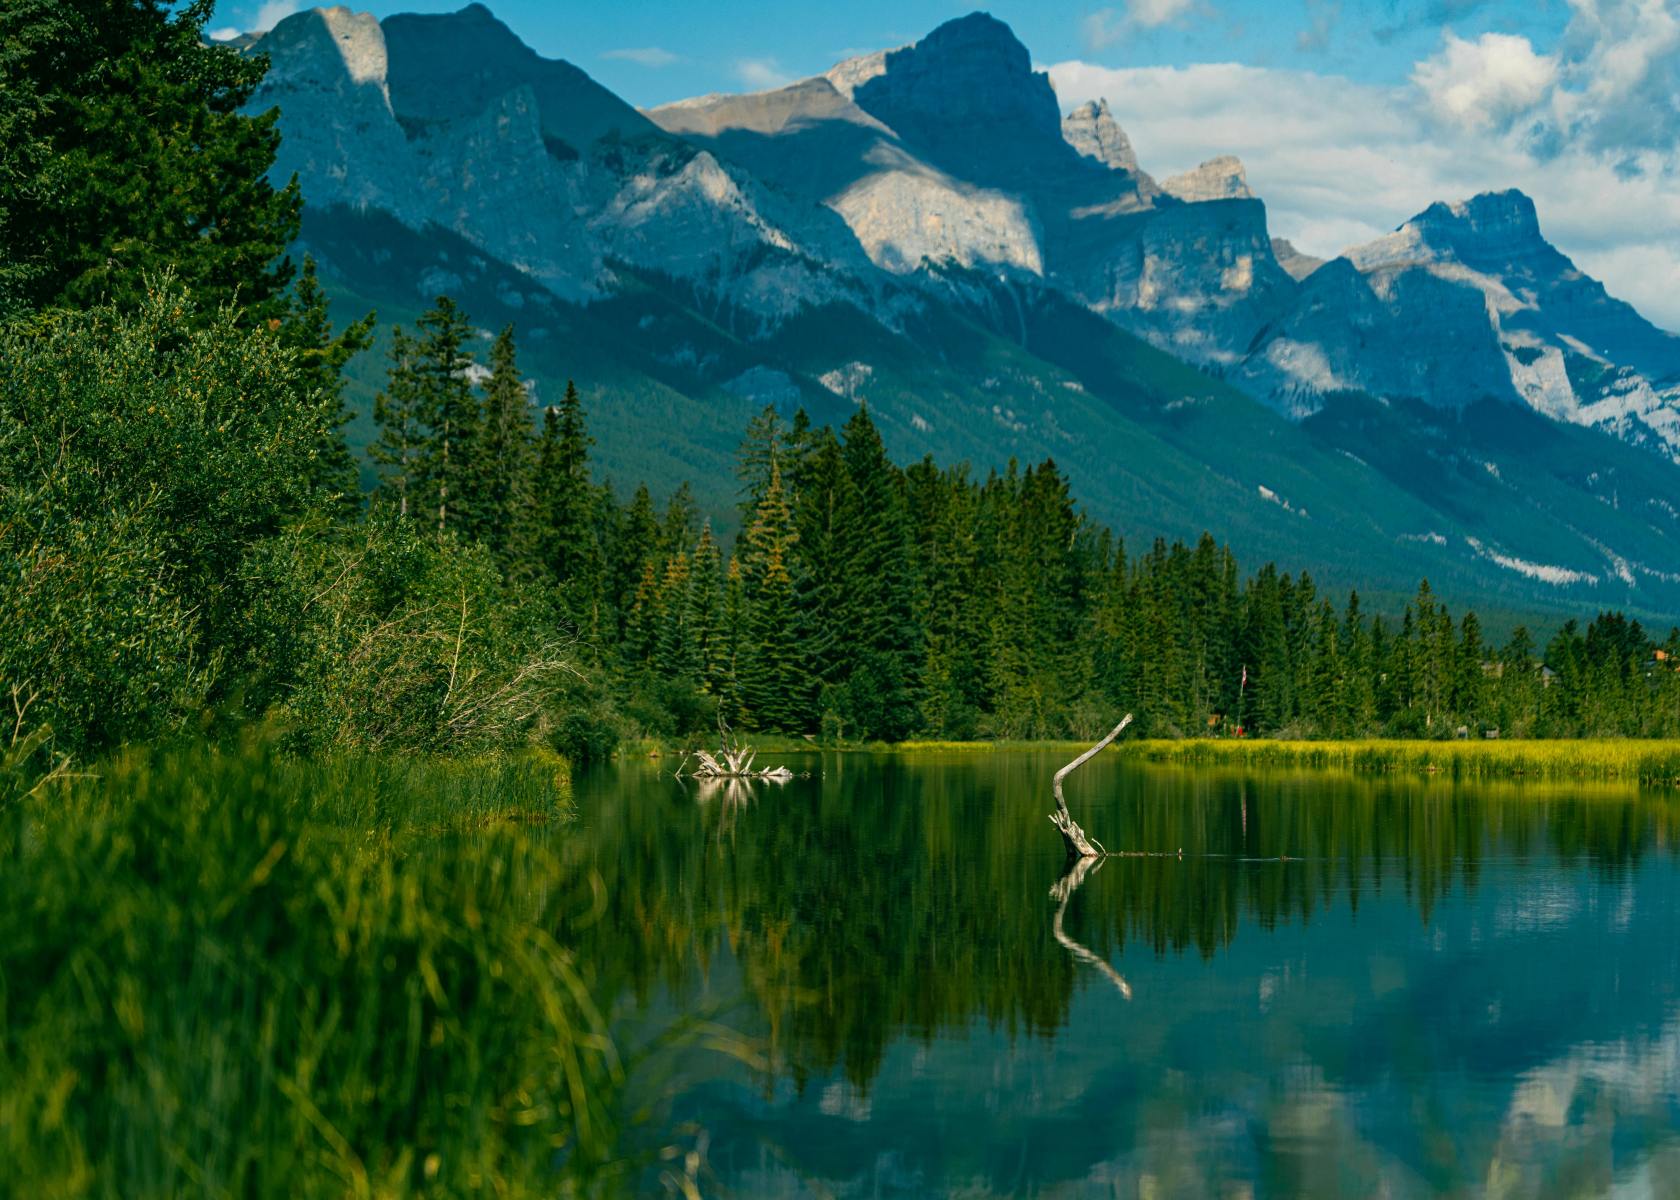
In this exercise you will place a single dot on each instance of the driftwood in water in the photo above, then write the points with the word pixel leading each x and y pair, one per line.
pixel 1078 843
pixel 1062 891
pixel 732 761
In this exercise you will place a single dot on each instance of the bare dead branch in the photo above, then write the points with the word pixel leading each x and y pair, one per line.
pixel 1078 843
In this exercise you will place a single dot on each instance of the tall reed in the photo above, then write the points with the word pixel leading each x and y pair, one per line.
pixel 230 974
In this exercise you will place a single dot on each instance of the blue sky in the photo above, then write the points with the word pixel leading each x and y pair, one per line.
pixel 654 51
pixel 1350 115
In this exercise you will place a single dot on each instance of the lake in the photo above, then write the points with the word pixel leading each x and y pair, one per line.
pixel 1291 984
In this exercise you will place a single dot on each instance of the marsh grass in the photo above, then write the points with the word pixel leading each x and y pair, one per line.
pixel 227 973
pixel 1648 763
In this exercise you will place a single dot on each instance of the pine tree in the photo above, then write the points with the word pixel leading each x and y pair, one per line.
pixel 822 579
pixel 565 497
pixel 681 524
pixel 402 429
pixel 446 464
pixel 763 448
pixel 675 653
pixel 320 358
pixel 634 545
pixel 872 545
pixel 770 661
pixel 506 456
pixel 944 516
pixel 641 639
pixel 1469 678
pixel 705 614
pixel 733 636
pixel 128 151
pixel 1360 712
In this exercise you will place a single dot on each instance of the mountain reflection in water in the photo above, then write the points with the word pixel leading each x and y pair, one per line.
pixel 1306 984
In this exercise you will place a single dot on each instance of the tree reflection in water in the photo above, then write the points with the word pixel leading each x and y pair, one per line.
pixel 900 900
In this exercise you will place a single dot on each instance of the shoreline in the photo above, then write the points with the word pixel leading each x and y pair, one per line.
pixel 1650 763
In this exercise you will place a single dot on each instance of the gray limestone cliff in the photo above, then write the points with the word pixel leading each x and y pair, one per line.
pixel 1221 178
pixel 1092 130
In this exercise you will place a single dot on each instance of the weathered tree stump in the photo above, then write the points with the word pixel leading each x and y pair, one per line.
pixel 1078 843
pixel 732 761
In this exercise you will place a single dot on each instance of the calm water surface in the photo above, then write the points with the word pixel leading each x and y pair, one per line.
pixel 1308 984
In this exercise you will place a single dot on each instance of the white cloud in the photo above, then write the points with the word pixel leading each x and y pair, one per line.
pixel 272 12
pixel 761 73
pixel 225 34
pixel 1621 76
pixel 1486 83
pixel 1108 25
pixel 1339 162
pixel 644 56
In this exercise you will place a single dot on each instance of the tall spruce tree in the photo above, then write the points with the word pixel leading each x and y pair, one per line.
pixel 705 614
pixel 633 547
pixel 320 359
pixel 397 411
pixel 506 456
pixel 445 468
pixel 771 667
pixel 872 544
pixel 127 152
pixel 564 495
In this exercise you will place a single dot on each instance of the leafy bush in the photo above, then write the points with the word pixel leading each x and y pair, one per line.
pixel 385 636
pixel 142 457
pixel 586 736
pixel 98 648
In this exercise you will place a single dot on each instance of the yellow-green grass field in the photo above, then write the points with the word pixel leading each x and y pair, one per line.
pixel 1650 763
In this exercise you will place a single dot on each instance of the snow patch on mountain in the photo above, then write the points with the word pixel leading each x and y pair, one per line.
pixel 1544 572
pixel 1269 495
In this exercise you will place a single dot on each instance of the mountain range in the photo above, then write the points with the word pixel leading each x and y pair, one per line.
pixel 926 231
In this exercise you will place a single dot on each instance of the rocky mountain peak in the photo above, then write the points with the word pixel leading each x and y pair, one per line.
pixel 326 43
pixel 449 66
pixel 1092 130
pixel 1221 178
pixel 1508 216
pixel 967 97
pixel 1298 265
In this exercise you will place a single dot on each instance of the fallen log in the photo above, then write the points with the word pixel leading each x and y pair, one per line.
pixel 1078 843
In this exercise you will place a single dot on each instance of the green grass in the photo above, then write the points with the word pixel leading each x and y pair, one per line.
pixel 227 973
pixel 1649 763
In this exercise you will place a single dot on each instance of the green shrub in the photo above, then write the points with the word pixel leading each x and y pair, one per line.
pixel 98 646
pixel 586 736
pixel 142 457
pixel 385 636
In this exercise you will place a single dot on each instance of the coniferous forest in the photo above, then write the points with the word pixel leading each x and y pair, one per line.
pixel 867 601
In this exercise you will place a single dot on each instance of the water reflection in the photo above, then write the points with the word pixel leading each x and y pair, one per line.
pixel 1341 986
pixel 1061 893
